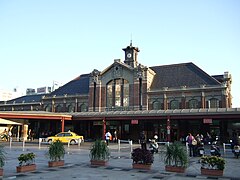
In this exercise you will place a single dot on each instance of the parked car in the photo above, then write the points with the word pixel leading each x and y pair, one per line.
pixel 65 137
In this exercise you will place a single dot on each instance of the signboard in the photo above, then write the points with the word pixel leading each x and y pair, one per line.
pixel 134 121
pixel 207 121
pixel 43 90
pixel 99 123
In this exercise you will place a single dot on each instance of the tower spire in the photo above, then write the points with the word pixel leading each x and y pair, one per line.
pixel 131 41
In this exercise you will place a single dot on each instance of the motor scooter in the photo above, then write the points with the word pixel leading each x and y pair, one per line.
pixel 153 146
pixel 200 149
pixel 215 150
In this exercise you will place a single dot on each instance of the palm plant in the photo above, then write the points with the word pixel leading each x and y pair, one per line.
pixel 2 156
pixel 56 151
pixel 99 151
pixel 176 155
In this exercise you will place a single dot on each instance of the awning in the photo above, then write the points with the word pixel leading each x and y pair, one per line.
pixel 5 121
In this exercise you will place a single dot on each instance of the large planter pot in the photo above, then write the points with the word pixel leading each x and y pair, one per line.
pixel 211 172
pixel 176 169
pixel 1 172
pixel 99 163
pixel 55 163
pixel 27 168
pixel 142 166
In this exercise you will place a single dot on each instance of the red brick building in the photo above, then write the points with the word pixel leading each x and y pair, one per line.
pixel 127 87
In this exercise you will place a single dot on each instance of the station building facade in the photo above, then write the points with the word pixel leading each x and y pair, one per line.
pixel 130 88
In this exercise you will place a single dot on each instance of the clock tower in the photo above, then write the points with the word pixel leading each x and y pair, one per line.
pixel 131 55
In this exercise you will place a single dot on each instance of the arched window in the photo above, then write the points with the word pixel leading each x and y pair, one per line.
pixel 193 104
pixel 213 103
pixel 48 108
pixel 118 93
pixel 71 108
pixel 58 108
pixel 174 104
pixel 83 108
pixel 156 105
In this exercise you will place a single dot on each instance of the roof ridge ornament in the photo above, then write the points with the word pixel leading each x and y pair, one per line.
pixel 94 74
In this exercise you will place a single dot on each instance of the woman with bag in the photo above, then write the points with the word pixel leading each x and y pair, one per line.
pixel 191 141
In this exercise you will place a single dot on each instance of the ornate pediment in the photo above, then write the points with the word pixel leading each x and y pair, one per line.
pixel 117 71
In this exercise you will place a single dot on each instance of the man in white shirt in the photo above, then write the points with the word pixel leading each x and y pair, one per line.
pixel 107 137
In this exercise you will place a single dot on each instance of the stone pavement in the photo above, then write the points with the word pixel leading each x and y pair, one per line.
pixel 77 165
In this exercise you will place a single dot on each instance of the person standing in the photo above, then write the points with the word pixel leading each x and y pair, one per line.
pixel 30 135
pixel 189 140
pixel 143 140
pixel 107 137
pixel 9 135
pixel 115 136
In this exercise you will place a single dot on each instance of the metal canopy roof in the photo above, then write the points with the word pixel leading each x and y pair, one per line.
pixel 5 121
pixel 146 114
pixel 158 113
pixel 34 115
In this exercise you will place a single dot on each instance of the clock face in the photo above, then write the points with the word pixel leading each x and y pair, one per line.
pixel 129 55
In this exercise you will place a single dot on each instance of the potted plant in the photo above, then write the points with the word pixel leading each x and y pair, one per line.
pixel 2 159
pixel 26 162
pixel 176 159
pixel 99 153
pixel 142 159
pixel 56 153
pixel 212 165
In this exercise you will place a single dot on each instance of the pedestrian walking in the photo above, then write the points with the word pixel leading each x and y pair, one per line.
pixel 108 137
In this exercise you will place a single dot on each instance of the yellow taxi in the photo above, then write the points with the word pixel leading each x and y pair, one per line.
pixel 66 137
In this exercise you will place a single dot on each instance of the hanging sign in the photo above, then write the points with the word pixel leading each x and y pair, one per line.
pixel 207 121
pixel 134 121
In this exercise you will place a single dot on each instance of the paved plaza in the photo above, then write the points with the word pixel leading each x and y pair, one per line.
pixel 77 165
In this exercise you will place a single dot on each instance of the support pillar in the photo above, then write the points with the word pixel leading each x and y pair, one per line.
pixel 203 103
pixel 104 128
pixel 25 132
pixel 62 125
pixel 168 129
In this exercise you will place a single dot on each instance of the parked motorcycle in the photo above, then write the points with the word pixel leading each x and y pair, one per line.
pixel 236 151
pixel 200 149
pixel 215 150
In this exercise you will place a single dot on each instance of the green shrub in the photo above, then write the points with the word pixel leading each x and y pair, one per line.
pixel 212 162
pixel 26 159
pixel 176 155
pixel 99 151
pixel 56 151
pixel 142 156
pixel 2 156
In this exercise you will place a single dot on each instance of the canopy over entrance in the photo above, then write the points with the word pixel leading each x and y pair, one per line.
pixel 8 122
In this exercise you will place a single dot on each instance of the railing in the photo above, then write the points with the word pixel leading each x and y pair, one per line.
pixel 163 143
pixel 129 144
pixel 226 149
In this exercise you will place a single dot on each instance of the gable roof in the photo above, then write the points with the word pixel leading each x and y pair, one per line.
pixel 116 61
pixel 177 75
pixel 79 85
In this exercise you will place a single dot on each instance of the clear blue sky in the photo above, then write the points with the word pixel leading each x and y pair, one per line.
pixel 42 40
